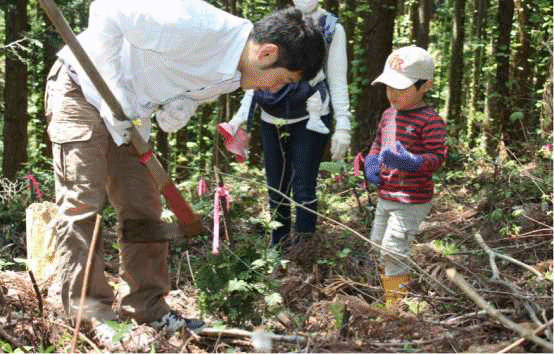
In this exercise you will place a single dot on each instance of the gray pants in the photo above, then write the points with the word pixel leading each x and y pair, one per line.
pixel 89 169
pixel 394 229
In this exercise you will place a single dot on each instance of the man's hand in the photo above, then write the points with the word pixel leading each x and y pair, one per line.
pixel 372 169
pixel 402 159
pixel 122 128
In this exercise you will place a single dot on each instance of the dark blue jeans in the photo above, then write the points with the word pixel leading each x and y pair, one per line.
pixel 292 155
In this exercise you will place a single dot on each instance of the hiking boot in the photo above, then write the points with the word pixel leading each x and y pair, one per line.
pixel 396 288
pixel 172 322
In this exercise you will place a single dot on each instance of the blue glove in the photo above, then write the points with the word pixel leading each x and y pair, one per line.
pixel 372 165
pixel 402 159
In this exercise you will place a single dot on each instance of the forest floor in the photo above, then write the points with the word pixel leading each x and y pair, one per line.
pixel 338 306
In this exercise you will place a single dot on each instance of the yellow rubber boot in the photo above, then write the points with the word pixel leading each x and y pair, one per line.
pixel 396 288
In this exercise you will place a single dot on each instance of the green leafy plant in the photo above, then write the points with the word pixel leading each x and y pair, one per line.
pixel 121 329
pixel 338 311
pixel 417 306
pixel 6 347
pixel 445 247
pixel 4 264
pixel 236 283
pixel 335 261
pixel 14 199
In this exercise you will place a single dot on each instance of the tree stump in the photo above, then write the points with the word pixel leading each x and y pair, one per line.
pixel 41 239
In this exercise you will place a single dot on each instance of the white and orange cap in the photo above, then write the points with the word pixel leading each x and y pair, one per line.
pixel 405 66
pixel 306 6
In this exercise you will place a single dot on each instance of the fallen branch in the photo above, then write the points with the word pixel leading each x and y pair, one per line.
pixel 190 269
pixel 521 340
pixel 260 339
pixel 335 284
pixel 540 232
pixel 523 298
pixel 393 345
pixel 538 222
pixel 472 294
pixel 452 321
pixel 492 254
pixel 84 286
pixel 241 333
pixel 37 293
pixel 81 335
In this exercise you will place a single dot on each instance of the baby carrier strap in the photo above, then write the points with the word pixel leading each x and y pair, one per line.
pixel 328 23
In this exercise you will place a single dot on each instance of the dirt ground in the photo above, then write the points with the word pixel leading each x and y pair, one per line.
pixel 330 310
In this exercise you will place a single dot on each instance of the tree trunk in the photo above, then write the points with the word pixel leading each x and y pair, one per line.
pixel 51 43
pixel 281 4
pixel 522 76
pixel 220 154
pixel 331 6
pixel 378 27
pixel 349 24
pixel 233 7
pixel 455 94
pixel 163 147
pixel 204 120
pixel 547 106
pixel 479 33
pixel 498 103
pixel 15 92
pixel 422 12
pixel 477 87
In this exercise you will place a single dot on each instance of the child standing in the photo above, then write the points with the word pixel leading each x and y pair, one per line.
pixel 408 148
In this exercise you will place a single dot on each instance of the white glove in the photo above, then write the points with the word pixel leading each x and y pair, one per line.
pixel 175 114
pixel 340 142
pixel 314 106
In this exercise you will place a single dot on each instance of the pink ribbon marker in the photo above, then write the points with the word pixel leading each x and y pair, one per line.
pixel 358 162
pixel 34 185
pixel 220 193
pixel 202 187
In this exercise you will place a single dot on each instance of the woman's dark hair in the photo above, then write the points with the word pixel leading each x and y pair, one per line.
pixel 301 46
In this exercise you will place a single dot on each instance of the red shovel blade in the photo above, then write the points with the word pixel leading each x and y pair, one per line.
pixel 192 224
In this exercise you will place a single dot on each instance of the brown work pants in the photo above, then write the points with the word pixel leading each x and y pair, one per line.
pixel 89 168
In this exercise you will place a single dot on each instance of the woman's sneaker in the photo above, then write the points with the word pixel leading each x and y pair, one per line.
pixel 172 322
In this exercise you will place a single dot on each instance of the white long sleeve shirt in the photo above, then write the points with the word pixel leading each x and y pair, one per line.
pixel 163 52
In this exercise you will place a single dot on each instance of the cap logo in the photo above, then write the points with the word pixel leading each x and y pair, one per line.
pixel 396 63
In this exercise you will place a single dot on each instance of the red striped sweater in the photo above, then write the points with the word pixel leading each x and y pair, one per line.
pixel 422 132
